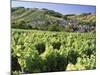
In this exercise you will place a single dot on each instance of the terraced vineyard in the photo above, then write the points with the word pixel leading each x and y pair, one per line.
pixel 45 51
pixel 50 20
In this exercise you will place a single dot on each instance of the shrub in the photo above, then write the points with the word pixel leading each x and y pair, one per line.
pixel 56 45
pixel 15 66
pixel 40 47
pixel 72 56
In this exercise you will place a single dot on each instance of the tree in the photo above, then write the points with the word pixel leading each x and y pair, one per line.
pixel 53 27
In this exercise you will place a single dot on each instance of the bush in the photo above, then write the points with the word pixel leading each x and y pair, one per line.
pixel 40 47
pixel 56 45
pixel 62 62
pixel 53 27
pixel 72 56
pixel 33 64
pixel 88 52
pixel 54 62
pixel 15 66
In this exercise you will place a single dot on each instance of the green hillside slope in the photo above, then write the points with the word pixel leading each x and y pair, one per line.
pixel 44 19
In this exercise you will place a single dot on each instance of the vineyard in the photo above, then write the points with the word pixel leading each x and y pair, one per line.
pixel 36 51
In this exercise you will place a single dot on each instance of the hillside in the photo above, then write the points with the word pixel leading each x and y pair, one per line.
pixel 44 19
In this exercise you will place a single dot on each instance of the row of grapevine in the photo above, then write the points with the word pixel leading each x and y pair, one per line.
pixel 44 51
